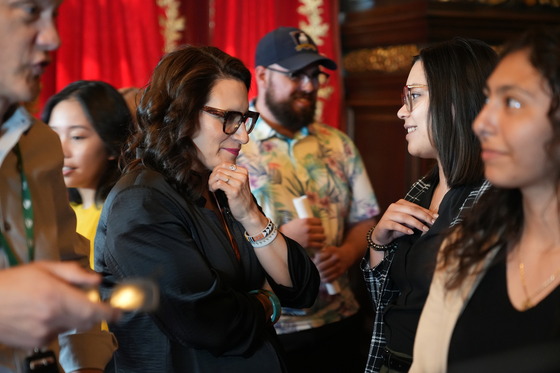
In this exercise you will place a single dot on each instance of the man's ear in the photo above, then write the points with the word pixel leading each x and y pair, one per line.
pixel 260 75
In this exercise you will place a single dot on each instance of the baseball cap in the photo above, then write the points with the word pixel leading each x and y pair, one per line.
pixel 290 48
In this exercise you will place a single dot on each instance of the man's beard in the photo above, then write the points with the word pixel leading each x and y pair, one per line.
pixel 285 113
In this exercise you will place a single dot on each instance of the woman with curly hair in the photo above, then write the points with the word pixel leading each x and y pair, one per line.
pixel 183 213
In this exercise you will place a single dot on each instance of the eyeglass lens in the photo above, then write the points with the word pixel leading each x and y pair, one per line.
pixel 407 98
pixel 317 77
pixel 233 120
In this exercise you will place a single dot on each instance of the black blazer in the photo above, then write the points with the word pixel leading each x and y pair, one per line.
pixel 206 321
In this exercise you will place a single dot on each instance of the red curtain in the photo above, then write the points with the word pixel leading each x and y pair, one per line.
pixel 238 29
pixel 117 41
pixel 121 41
pixel 239 25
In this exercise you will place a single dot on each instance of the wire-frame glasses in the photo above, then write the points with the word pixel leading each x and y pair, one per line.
pixel 317 78
pixel 407 95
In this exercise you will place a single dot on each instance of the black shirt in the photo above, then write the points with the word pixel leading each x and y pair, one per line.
pixel 489 312
pixel 414 263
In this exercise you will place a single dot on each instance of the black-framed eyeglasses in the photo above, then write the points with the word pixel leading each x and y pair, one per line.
pixel 232 120
pixel 317 77
pixel 407 94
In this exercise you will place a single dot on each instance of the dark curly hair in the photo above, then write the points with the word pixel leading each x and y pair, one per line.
pixel 110 117
pixel 168 114
pixel 497 219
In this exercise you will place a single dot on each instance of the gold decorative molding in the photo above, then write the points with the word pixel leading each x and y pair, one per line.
pixel 315 26
pixel 489 2
pixel 386 59
pixel 553 3
pixel 324 93
pixel 318 29
pixel 173 24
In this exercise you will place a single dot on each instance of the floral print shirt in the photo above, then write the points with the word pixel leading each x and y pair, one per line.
pixel 322 163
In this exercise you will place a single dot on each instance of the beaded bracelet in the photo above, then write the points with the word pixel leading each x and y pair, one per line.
pixel 274 301
pixel 265 237
pixel 376 247
pixel 267 240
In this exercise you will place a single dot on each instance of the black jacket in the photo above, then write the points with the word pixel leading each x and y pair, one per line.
pixel 207 321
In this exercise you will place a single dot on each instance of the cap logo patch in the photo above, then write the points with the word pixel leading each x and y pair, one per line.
pixel 302 41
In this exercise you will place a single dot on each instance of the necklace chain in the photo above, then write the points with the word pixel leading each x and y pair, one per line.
pixel 528 299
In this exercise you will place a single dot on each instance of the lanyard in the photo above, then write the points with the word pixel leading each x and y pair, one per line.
pixel 27 210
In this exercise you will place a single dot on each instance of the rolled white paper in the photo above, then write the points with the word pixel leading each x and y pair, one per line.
pixel 332 287
pixel 303 209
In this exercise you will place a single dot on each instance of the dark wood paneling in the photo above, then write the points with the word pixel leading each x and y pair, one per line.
pixel 421 21
pixel 378 133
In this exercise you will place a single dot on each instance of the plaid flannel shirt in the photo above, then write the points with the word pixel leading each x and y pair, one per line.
pixel 380 286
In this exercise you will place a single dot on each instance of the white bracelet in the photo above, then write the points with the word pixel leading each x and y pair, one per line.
pixel 265 237
pixel 266 241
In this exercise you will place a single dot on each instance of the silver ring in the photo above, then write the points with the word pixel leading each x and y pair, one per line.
pixel 233 167
pixel 227 180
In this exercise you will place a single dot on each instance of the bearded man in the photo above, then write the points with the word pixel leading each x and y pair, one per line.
pixel 290 155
